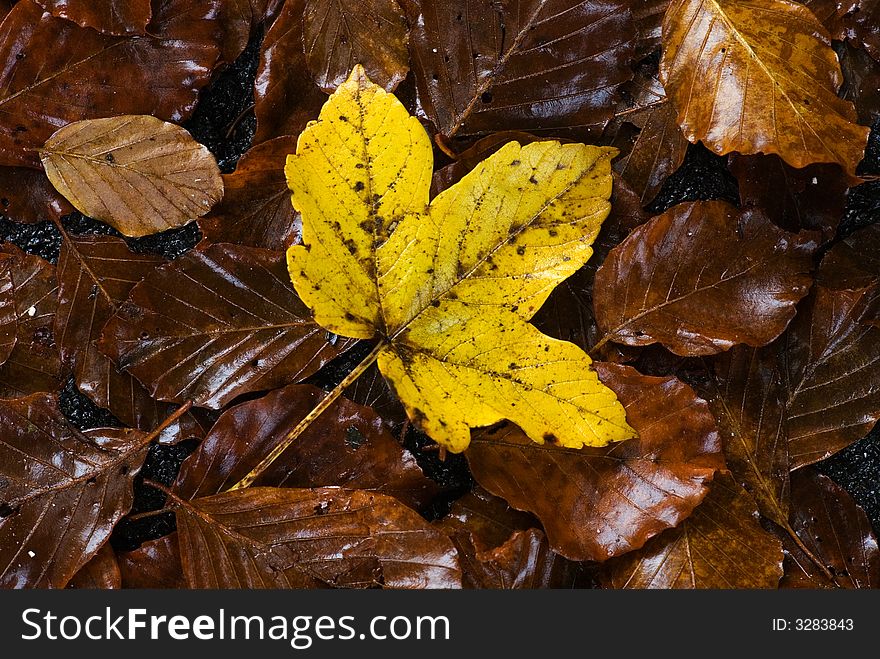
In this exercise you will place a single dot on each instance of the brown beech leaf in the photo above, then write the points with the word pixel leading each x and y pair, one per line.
pixel 701 278
pixel 535 65
pixel 8 312
pixel 649 21
pixel 311 538
pixel 347 445
pixel 34 364
pixel 722 545
pixel 27 196
pixel 525 560
pixel 853 262
pixel 758 76
pixel 102 572
pixel 241 19
pixel 61 491
pixel 216 324
pixel 747 397
pixel 338 34
pixel 95 275
pixel 155 564
pixel 659 147
pixel 863 26
pixel 836 531
pixel 285 96
pixel 862 75
pixel 596 503
pixel 371 390
pixel 812 198
pixel 487 519
pixel 138 174
pixel 107 16
pixel 830 14
pixel 832 356
pixel 55 72
pixel 256 208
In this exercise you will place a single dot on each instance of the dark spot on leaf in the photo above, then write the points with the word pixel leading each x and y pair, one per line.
pixel 550 438
pixel 521 250
pixel 358 186
pixel 109 158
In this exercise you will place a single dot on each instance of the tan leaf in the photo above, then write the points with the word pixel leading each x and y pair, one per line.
pixel 136 173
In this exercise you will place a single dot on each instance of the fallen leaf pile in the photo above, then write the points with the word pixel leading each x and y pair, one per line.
pixel 451 316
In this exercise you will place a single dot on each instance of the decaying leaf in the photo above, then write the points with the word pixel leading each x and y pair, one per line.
pixel 812 198
pixel 659 148
pixel 758 76
pixel 256 208
pixel 311 538
pixel 34 364
pixel 649 21
pixel 836 530
pixel 136 173
pixel 701 278
pixel 95 275
pixel 525 560
pixel 216 324
pixel 102 572
pixel 285 96
pixel 533 65
pixel 338 34
pixel 862 25
pixel 346 446
pixel 155 564
pixel 26 195
pixel 747 397
pixel 854 262
pixel 55 518
pixel 832 354
pixel 449 287
pixel 721 545
pixel 596 503
pixel 8 312
pixel 107 16
pixel 56 72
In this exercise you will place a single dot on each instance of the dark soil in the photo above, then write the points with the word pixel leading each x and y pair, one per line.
pixel 224 122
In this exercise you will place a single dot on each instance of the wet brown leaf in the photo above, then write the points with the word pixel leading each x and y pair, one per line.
pixel 649 21
pixel 812 198
pixel 155 564
pixel 56 72
pixel 836 531
pixel 832 353
pixel 596 503
pixel 241 19
pixel 659 147
pixel 758 77
pixel 27 196
pixel 8 315
pixel 108 16
pixel 747 397
pixel 862 75
pixel 138 174
pixel 488 519
pixel 256 208
pixel 721 545
pixel 534 65
pixel 298 538
pixel 95 275
pixel 286 98
pixel 346 446
pixel 372 390
pixel 56 517
pixel 102 572
pixel 338 34
pixel 525 560
pixel 216 324
pixel 853 262
pixel 863 26
pixel 701 278
pixel 34 364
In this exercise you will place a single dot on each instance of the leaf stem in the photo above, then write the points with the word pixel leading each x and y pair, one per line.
pixel 301 427
pixel 601 344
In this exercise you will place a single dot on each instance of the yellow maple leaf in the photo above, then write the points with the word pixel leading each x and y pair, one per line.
pixel 449 286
